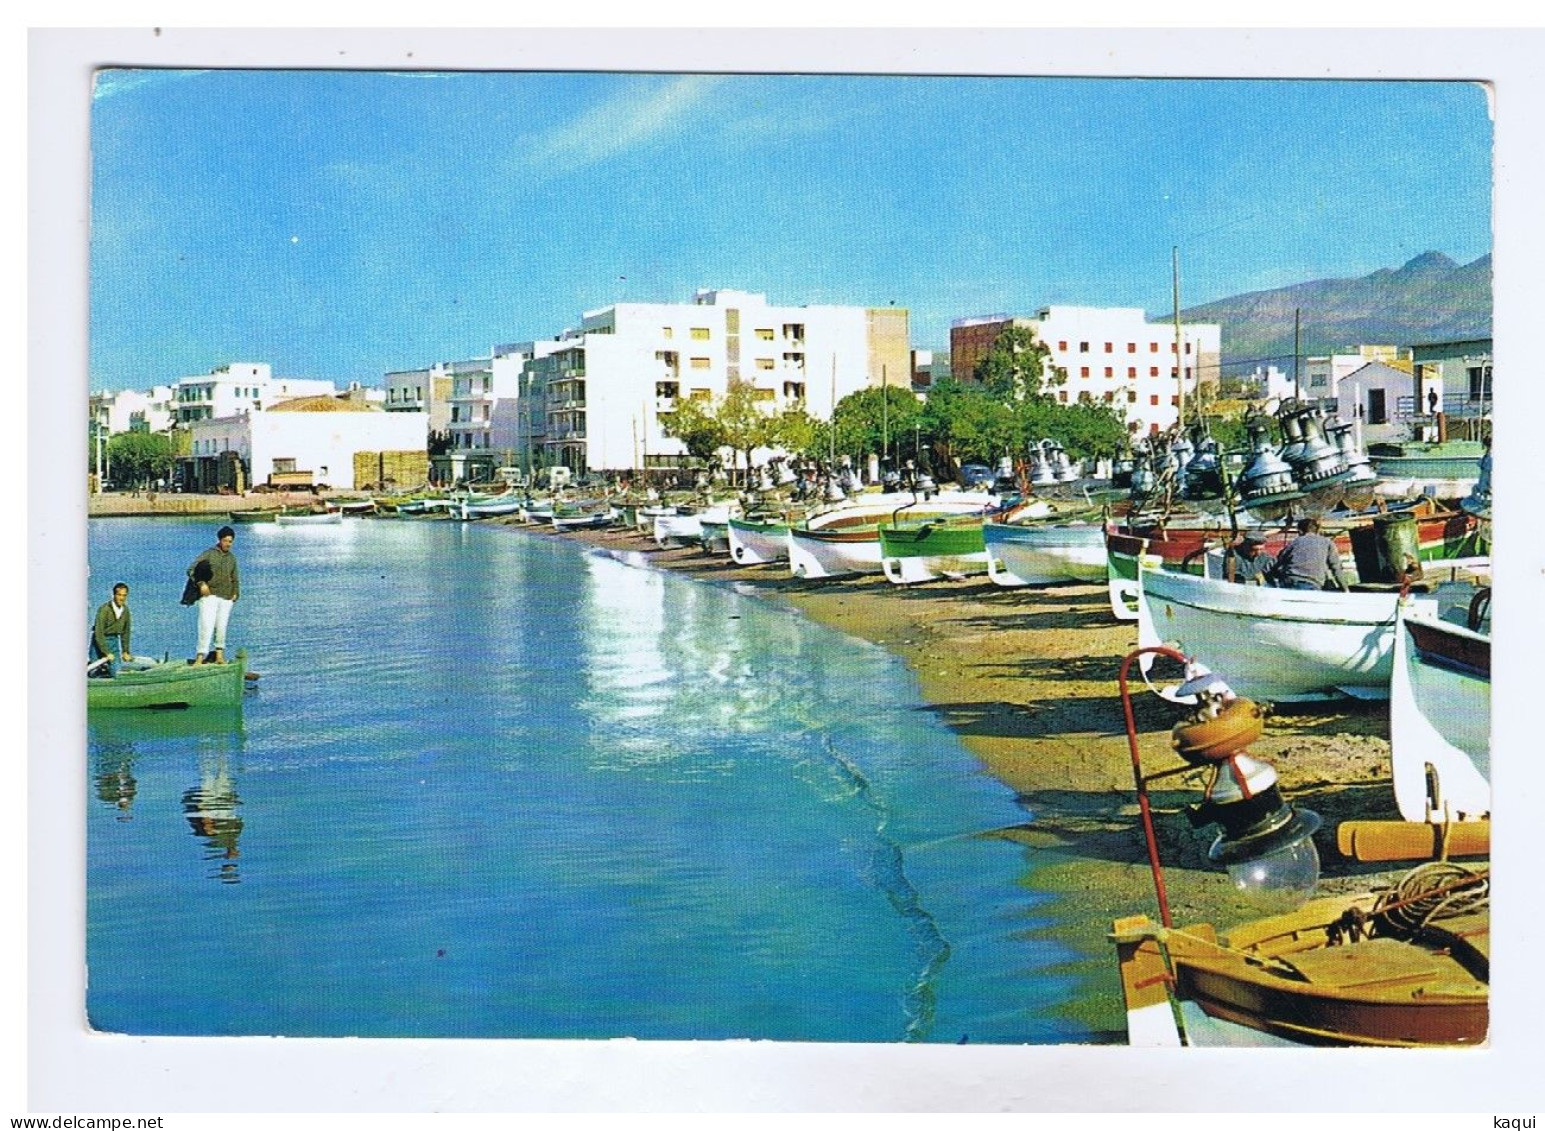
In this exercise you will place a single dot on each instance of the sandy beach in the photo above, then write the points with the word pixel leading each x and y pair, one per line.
pixel 1028 679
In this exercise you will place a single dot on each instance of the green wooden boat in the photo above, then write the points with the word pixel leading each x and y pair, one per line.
pixel 175 683
pixel 925 551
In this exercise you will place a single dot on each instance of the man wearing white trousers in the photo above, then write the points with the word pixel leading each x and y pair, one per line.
pixel 218 582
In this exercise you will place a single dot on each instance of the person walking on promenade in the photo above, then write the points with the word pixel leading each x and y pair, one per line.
pixel 1244 563
pixel 216 579
pixel 113 622
pixel 1309 561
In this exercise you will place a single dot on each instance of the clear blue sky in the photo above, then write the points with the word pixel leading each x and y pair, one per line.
pixel 343 224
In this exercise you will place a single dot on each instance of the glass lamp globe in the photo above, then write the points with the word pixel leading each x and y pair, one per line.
pixel 1279 880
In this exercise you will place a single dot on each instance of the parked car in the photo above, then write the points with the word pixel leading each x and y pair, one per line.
pixel 976 476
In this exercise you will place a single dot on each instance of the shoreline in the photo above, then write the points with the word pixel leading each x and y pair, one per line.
pixel 1026 679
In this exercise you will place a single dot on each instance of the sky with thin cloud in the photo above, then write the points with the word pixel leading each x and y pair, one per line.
pixel 344 224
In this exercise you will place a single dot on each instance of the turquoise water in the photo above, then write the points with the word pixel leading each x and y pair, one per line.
pixel 491 784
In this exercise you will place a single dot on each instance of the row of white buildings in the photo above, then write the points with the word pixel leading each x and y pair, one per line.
pixel 597 396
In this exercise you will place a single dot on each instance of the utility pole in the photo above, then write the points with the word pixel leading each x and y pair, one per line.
pixel 1180 372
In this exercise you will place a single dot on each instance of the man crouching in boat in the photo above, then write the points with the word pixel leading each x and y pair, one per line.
pixel 1245 562
pixel 218 582
pixel 1309 561
pixel 113 623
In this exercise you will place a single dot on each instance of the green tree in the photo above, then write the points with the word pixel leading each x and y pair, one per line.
pixel 740 421
pixel 877 420
pixel 1015 366
pixel 138 458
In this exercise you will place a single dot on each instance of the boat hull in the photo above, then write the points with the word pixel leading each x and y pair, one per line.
pixel 847 540
pixel 757 543
pixel 1440 721
pixel 1280 645
pixel 928 551
pixel 1044 554
pixel 173 684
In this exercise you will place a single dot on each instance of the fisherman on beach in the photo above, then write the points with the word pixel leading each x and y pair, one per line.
pixel 1309 561
pixel 1246 564
pixel 217 582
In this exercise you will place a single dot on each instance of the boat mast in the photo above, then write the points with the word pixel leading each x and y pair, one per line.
pixel 831 431
pixel 1297 392
pixel 885 416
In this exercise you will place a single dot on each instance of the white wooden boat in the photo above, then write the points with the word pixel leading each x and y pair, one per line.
pixel 1280 645
pixel 1045 553
pixel 309 518
pixel 846 539
pixel 589 520
pixel 681 529
pixel 755 542
pixel 1440 720
pixel 490 508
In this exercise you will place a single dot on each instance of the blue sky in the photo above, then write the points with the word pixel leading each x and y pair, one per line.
pixel 342 224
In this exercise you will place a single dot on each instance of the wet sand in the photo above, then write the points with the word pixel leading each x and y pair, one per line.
pixel 1028 679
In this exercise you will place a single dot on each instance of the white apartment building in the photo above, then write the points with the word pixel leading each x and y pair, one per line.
pixel 319 435
pixel 243 386
pixel 130 410
pixel 598 393
pixel 421 390
pixel 1115 355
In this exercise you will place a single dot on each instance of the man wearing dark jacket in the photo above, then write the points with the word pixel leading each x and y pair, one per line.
pixel 1309 561
pixel 113 622
pixel 219 585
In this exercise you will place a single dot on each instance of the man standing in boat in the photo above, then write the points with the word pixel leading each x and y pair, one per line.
pixel 113 622
pixel 1246 564
pixel 218 583
pixel 1309 561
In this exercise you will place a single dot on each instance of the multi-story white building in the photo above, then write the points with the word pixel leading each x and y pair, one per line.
pixel 422 390
pixel 598 394
pixel 243 386
pixel 130 410
pixel 1108 354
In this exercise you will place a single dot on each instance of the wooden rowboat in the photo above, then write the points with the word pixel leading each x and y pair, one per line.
pixel 172 684
pixel 1367 969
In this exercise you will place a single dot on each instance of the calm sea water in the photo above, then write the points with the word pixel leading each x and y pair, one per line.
pixel 494 785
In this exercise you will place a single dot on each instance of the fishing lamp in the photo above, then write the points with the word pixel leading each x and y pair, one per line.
pixel 1265 844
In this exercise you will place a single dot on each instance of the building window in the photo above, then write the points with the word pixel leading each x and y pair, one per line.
pixel 666 390
pixel 794 390
pixel 1131 371
pixel 1063 396
pixel 699 363
pixel 1110 347
pixel 1480 382
pixel 667 332
pixel 1131 396
pixel 1083 347
pixel 1188 347
pixel 1110 396
pixel 1084 372
pixel 1153 371
pixel 1109 372
pixel 700 333
pixel 1063 346
pixel 1131 347
pixel 764 334
pixel 764 363
pixel 1153 347
pixel 284 465
pixel 702 394
pixel 1153 400
pixel 1174 400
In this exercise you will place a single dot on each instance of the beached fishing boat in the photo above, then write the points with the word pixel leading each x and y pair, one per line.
pixel 846 539
pixel 1437 462
pixel 1286 645
pixel 685 527
pixel 251 516
pixel 1045 553
pixel 583 520
pixel 927 550
pixel 354 508
pixel 1440 716
pixel 488 508
pixel 172 684
pixel 754 541
pixel 1372 969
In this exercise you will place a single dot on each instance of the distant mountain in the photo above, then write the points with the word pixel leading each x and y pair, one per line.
pixel 1430 299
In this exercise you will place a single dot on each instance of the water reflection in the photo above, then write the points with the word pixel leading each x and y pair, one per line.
pixel 211 808
pixel 126 746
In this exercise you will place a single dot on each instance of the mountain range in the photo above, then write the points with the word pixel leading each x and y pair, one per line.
pixel 1429 299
